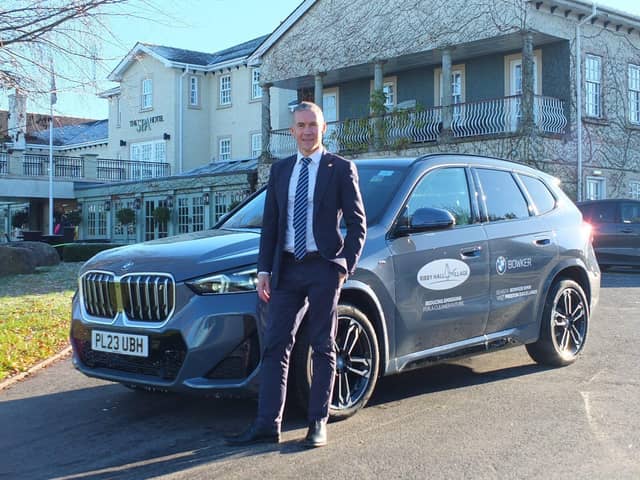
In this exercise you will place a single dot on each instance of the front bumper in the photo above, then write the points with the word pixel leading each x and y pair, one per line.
pixel 210 343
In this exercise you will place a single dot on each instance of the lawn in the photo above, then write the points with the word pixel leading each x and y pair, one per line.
pixel 35 313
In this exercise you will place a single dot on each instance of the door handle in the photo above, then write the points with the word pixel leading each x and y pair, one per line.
pixel 471 252
pixel 541 242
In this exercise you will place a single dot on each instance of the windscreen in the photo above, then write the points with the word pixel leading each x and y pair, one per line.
pixel 378 185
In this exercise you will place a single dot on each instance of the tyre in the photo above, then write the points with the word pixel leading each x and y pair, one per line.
pixel 358 359
pixel 564 326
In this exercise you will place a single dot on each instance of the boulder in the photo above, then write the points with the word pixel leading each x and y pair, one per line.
pixel 14 260
pixel 44 253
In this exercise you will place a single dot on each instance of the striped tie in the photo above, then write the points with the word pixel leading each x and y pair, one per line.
pixel 300 211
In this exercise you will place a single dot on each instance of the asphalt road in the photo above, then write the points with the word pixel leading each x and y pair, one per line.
pixel 495 416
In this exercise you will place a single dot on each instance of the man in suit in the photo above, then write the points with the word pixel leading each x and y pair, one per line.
pixel 303 262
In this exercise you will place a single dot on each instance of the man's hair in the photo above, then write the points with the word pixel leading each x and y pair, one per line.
pixel 304 106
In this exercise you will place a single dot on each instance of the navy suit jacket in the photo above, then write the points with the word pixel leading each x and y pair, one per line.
pixel 336 196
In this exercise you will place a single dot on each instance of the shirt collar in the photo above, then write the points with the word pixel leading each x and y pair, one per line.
pixel 315 156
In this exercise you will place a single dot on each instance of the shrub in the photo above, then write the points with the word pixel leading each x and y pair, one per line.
pixel 126 216
pixel 80 252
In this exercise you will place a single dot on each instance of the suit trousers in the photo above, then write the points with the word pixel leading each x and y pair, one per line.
pixel 307 289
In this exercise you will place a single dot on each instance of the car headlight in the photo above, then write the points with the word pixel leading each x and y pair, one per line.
pixel 229 282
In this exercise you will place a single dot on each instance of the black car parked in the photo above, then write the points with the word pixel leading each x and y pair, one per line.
pixel 616 230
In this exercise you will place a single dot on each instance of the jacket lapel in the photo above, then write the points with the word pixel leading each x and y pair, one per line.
pixel 283 183
pixel 325 171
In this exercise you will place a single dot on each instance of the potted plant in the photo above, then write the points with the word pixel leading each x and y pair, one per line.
pixel 126 216
pixel 161 214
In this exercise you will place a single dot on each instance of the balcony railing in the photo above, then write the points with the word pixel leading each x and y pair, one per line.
pixel 404 128
pixel 91 168
pixel 38 165
pixel 121 170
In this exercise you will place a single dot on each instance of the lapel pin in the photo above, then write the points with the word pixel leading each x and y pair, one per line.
pixel 330 165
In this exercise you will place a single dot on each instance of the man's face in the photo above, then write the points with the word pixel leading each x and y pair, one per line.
pixel 308 128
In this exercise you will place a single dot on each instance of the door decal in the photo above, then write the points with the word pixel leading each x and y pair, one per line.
pixel 443 274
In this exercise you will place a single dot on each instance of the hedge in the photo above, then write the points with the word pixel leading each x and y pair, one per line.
pixel 80 252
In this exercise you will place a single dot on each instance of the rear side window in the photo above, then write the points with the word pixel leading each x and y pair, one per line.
pixel 540 194
pixel 630 212
pixel 599 213
pixel 503 197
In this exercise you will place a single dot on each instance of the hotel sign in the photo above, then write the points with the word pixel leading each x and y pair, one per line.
pixel 144 124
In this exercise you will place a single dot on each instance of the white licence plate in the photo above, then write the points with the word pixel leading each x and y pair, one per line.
pixel 123 343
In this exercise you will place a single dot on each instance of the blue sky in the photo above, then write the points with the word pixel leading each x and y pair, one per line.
pixel 203 25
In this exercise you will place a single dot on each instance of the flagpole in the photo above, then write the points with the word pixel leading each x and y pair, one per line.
pixel 51 218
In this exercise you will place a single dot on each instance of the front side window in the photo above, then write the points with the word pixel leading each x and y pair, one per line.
pixel 256 89
pixel 194 94
pixel 147 94
pixel 225 90
pixel 630 212
pixel 540 194
pixel 502 196
pixel 634 93
pixel 224 149
pixel 593 85
pixel 446 189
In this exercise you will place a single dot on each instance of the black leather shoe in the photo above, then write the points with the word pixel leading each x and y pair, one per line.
pixel 254 434
pixel 317 434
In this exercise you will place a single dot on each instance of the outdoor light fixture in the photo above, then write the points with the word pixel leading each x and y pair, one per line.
pixel 79 208
pixel 123 143
pixel 137 203
pixel 205 198
pixel 166 136
pixel 169 201
pixel 107 205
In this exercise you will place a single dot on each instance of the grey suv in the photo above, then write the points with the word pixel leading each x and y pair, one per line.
pixel 464 255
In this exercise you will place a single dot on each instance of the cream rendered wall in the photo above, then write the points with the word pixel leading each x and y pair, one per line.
pixel 238 120
pixel 280 113
pixel 196 126
pixel 163 104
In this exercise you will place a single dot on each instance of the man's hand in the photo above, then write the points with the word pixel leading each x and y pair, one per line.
pixel 264 286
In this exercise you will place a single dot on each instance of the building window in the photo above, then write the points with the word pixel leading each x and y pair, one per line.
pixel 118 112
pixel 194 92
pixel 634 190
pixel 256 145
pixel 96 220
pixel 224 149
pixel 596 188
pixel 457 85
pixel 148 160
pixel 222 202
pixel 225 90
pixel 593 79
pixel 634 93
pixel 389 90
pixel 147 94
pixel 256 89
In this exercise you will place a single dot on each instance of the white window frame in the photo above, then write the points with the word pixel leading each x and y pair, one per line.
pixel 595 188
pixel 390 94
pixel 634 93
pixel 256 145
pixel 634 190
pixel 256 88
pixel 148 152
pixel 224 149
pixel 194 91
pixel 458 77
pixel 593 86
pixel 146 94
pixel 225 90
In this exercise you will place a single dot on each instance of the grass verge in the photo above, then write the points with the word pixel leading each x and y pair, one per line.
pixel 35 312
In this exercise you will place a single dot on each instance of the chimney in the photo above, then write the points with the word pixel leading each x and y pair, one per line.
pixel 18 119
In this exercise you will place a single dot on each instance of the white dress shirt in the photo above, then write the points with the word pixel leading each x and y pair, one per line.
pixel 293 182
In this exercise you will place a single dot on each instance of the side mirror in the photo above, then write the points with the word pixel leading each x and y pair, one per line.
pixel 426 219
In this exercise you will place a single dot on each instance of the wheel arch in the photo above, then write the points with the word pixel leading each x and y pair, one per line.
pixel 361 296
pixel 571 270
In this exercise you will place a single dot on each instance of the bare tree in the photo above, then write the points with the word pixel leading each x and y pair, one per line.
pixel 68 36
